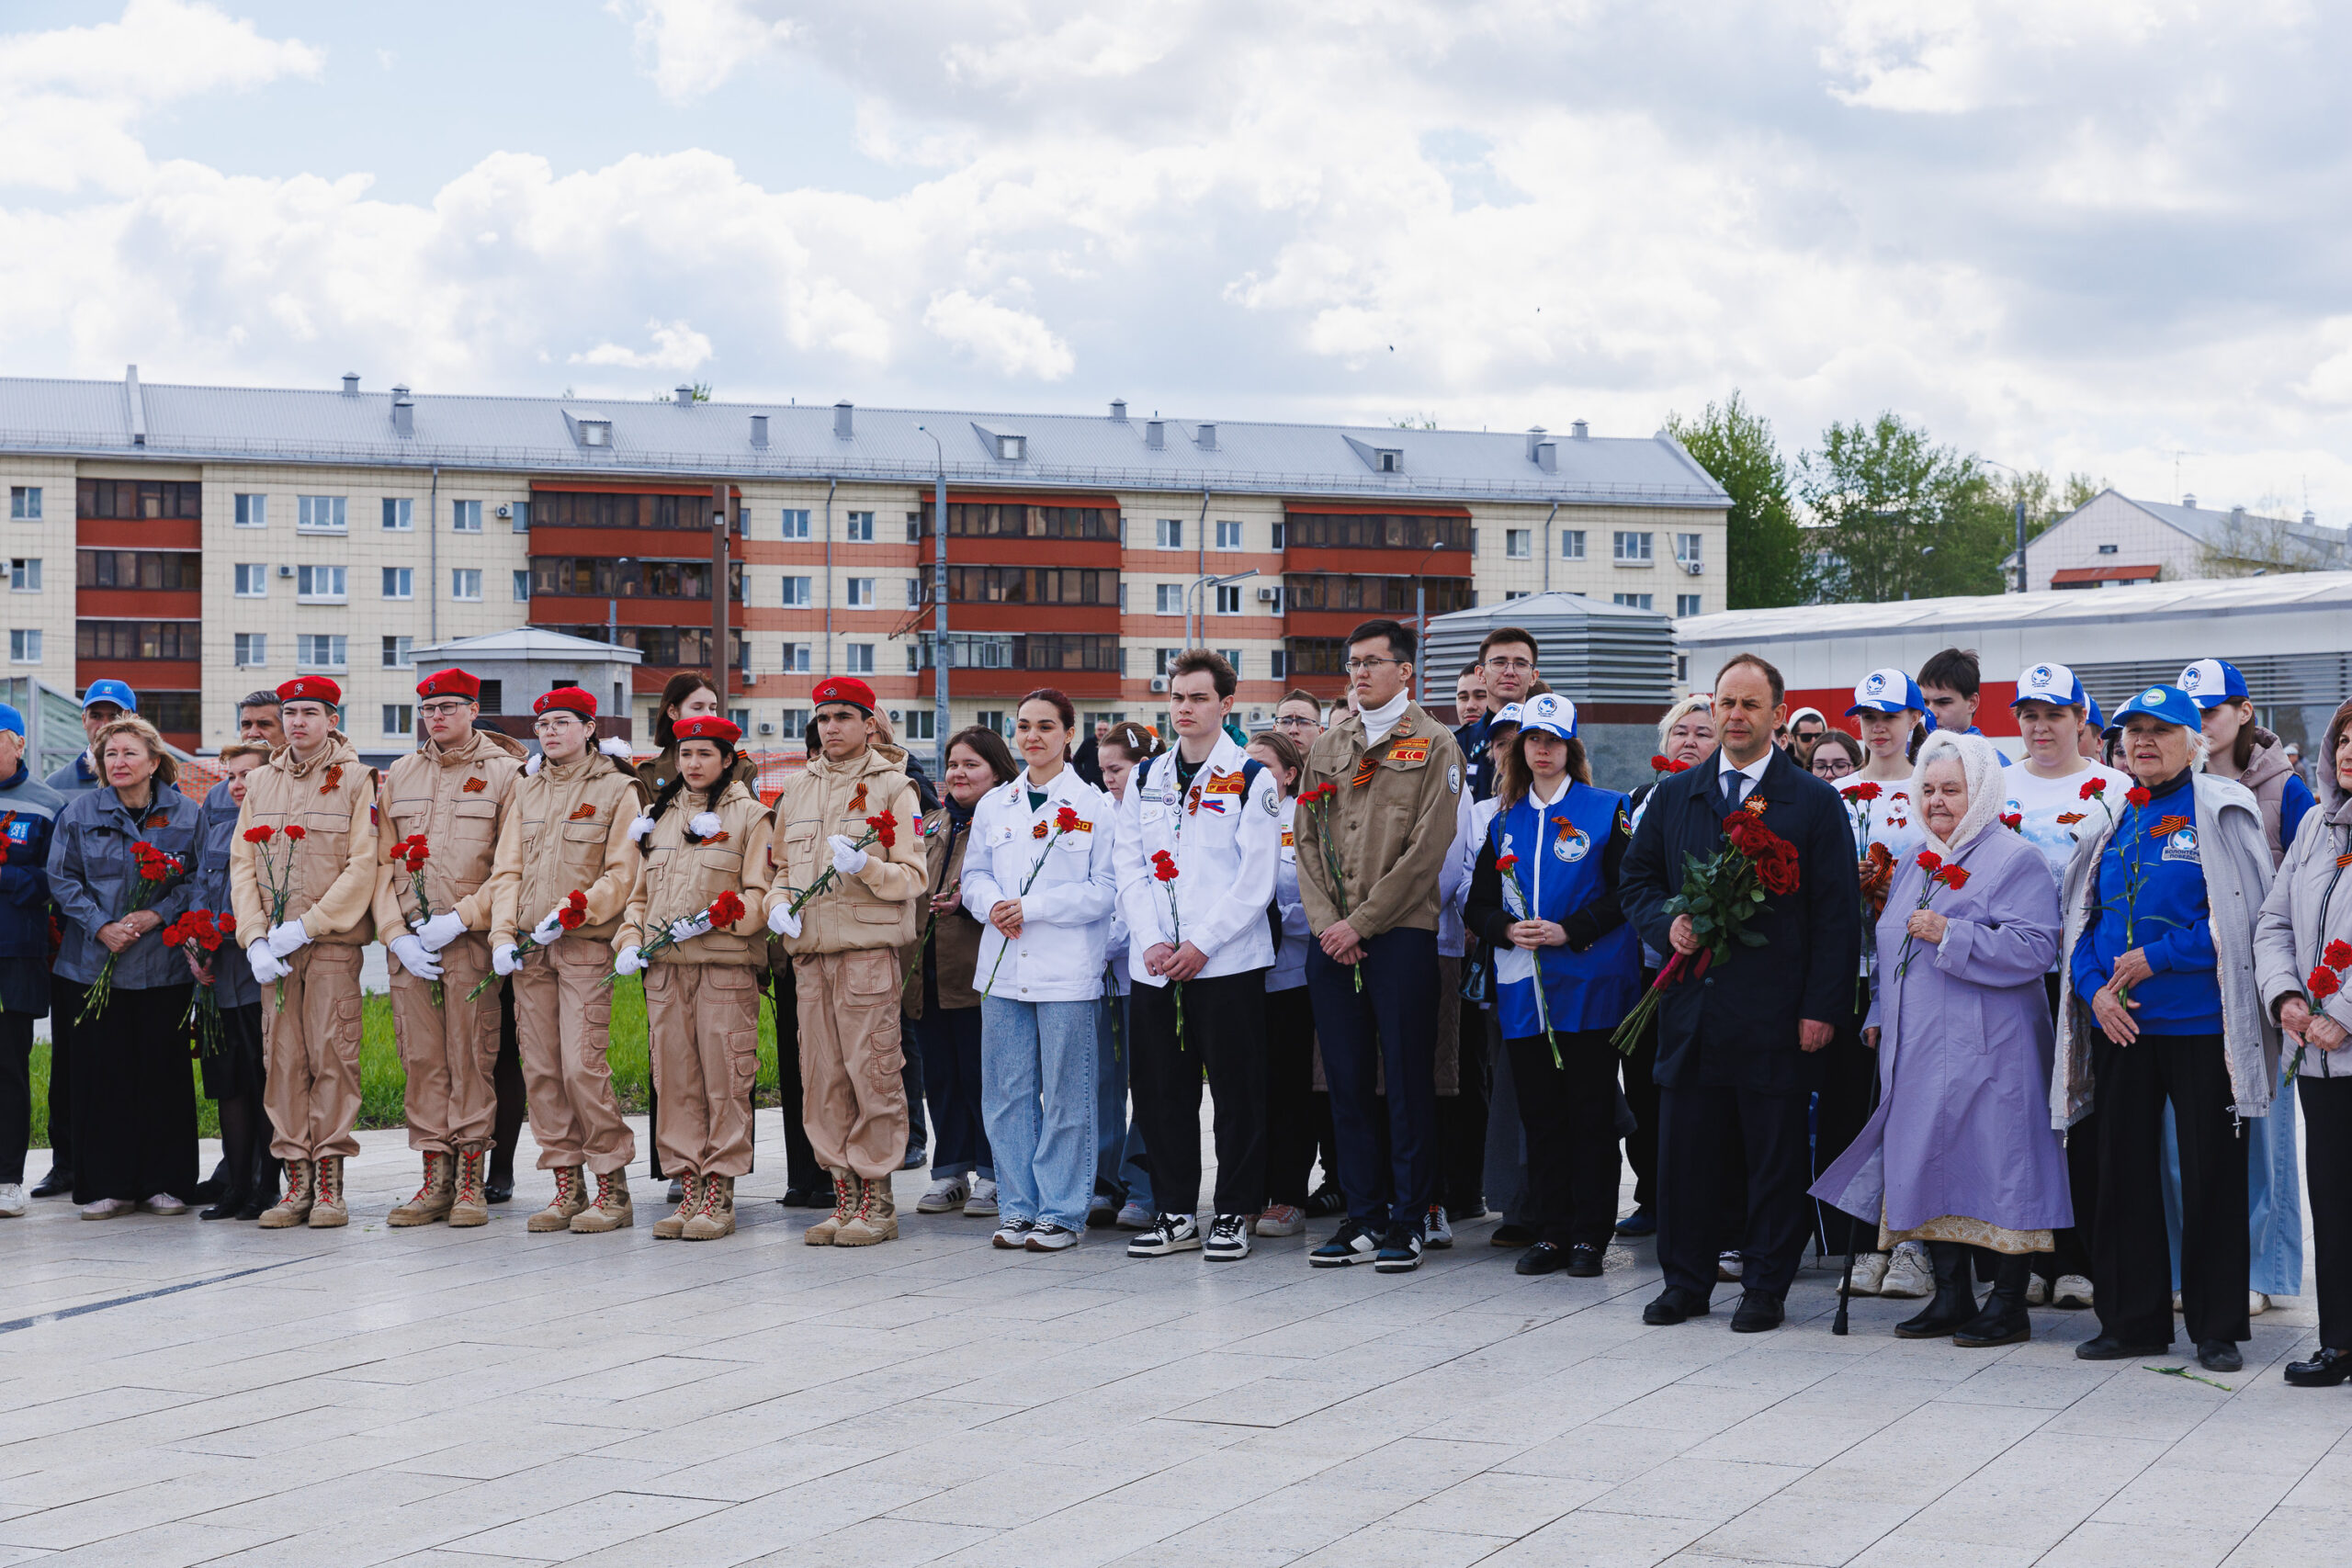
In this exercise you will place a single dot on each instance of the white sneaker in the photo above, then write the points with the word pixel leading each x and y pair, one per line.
pixel 2037 1291
pixel 1909 1277
pixel 1728 1264
pixel 1437 1232
pixel 1135 1217
pixel 1168 1233
pixel 108 1209
pixel 1012 1234
pixel 1869 1271
pixel 164 1203
pixel 981 1204
pixel 1050 1237
pixel 1280 1219
pixel 2257 1304
pixel 12 1200
pixel 1228 1239
pixel 946 1195
pixel 2071 1292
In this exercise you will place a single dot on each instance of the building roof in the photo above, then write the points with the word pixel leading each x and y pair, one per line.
pixel 2069 576
pixel 544 435
pixel 528 642
pixel 2208 526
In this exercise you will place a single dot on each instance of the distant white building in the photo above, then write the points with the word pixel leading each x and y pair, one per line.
pixel 2111 541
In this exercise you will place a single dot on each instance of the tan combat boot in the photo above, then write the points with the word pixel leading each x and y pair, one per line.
pixel 328 1210
pixel 670 1227
pixel 432 1200
pixel 715 1215
pixel 845 1196
pixel 611 1210
pixel 569 1200
pixel 876 1218
pixel 468 1207
pixel 301 1192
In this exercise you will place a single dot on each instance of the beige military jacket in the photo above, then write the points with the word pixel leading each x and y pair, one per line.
pixel 566 829
pixel 681 878
pixel 458 799
pixel 1392 823
pixel 332 883
pixel 881 906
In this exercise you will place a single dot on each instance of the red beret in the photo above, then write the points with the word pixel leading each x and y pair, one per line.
pixel 707 727
pixel 571 699
pixel 311 689
pixel 843 689
pixel 450 683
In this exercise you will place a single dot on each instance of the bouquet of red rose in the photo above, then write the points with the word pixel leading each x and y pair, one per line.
pixel 156 869
pixel 1318 801
pixel 883 830
pixel 1720 894
pixel 1065 821
pixel 277 876
pixel 572 914
pixel 413 852
pixel 1939 875
pixel 724 910
pixel 201 932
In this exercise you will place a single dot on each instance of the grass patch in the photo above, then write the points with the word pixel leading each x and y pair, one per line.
pixel 382 1082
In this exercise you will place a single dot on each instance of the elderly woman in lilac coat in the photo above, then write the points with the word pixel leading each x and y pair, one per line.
pixel 1960 1153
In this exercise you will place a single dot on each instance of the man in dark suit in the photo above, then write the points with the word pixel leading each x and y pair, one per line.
pixel 1738 1049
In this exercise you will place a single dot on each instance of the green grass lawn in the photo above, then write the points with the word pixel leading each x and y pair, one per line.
pixel 381 1080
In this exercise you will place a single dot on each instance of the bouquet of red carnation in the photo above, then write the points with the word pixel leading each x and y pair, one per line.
pixel 1163 869
pixel 883 830
pixel 2325 980
pixel 156 870
pixel 572 914
pixel 1939 875
pixel 1720 894
pixel 413 852
pixel 724 910
pixel 277 876
pixel 1318 801
pixel 1660 764
pixel 1066 821
pixel 200 932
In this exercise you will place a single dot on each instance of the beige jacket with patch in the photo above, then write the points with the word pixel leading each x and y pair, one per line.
pixel 681 878
pixel 566 829
pixel 458 799
pixel 329 872
pixel 881 906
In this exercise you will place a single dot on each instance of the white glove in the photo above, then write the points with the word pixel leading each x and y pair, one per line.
pixel 639 828
pixel 704 824
pixel 783 921
pixel 414 957
pixel 690 927
pixel 532 766
pixel 288 938
pixel 629 961
pixel 439 931
pixel 266 967
pixel 505 958
pixel 547 931
pixel 848 859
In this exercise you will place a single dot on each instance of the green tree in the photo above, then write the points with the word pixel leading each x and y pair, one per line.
pixel 1897 517
pixel 1735 443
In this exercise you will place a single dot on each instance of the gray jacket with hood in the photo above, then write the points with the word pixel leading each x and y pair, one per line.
pixel 2310 906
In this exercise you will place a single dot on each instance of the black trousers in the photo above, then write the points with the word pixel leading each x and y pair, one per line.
pixel 1224 1038
pixel 1292 1122
pixel 1462 1116
pixel 2070 1248
pixel 1640 1073
pixel 2131 1256
pixel 1389 1027
pixel 1570 1114
pixel 1849 1083
pixel 1700 1132
pixel 951 1081
pixel 2327 1170
pixel 507 1078
pixel 16 1093
pixel 61 1079
pixel 133 1093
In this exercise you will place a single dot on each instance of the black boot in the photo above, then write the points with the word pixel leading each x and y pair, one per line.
pixel 229 1186
pixel 214 1188
pixel 2003 1319
pixel 1955 1299
pixel 260 1187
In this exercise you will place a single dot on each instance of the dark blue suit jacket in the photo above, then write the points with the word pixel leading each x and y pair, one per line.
pixel 1737 1026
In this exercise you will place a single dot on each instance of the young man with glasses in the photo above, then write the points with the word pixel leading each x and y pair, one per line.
pixel 452 791
pixel 1299 716
pixel 1507 661
pixel 1386 830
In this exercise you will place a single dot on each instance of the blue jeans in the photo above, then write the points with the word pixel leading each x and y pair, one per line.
pixel 1038 1100
pixel 1114 1055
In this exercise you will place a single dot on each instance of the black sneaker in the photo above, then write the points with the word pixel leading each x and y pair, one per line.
pixel 1050 1237
pixel 1400 1250
pixel 1168 1233
pixel 1351 1243
pixel 1228 1239
pixel 1584 1261
pixel 1322 1204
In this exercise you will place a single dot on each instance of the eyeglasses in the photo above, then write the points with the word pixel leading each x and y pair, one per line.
pixel 443 710
pixel 1521 665
pixel 1294 722
pixel 545 722
pixel 1366 666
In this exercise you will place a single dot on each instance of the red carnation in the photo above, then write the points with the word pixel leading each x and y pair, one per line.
pixel 1658 763
pixel 261 835
pixel 2093 789
pixel 1866 790
pixel 726 909
pixel 1504 863
pixel 1929 859
pixel 1953 876
pixel 2138 795
pixel 576 898
pixel 2013 821
pixel 570 918
pixel 2339 955
pixel 2323 984
pixel 1066 821
pixel 295 831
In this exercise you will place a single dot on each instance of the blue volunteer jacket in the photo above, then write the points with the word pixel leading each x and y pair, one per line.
pixel 1567 859
pixel 2154 846
pixel 29 809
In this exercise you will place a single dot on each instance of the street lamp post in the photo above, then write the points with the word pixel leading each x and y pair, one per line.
pixel 1990 463
pixel 718 502
pixel 938 610
pixel 1204 586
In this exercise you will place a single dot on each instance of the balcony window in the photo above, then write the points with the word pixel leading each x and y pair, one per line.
pixel 1631 549
pixel 318 650
pixel 321 513
pixel 320 584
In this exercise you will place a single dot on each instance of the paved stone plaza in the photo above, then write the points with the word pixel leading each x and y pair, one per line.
pixel 177 1392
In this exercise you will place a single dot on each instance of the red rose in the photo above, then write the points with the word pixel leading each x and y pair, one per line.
pixel 2339 955
pixel 2138 795
pixel 2323 984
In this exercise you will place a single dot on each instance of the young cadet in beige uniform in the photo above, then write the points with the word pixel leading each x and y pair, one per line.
pixel 845 947
pixel 704 836
pixel 311 1040
pixel 567 831
pixel 452 790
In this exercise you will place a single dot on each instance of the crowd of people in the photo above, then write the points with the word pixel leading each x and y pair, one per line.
pixel 1881 990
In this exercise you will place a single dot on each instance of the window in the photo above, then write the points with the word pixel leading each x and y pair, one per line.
pixel 1631 550
pixel 861 594
pixel 316 651
pixel 1167 598
pixel 464 583
pixel 1278 536
pixel 1683 667
pixel 522 513
pixel 595 509
pixel 996 520
pixel 795 723
pixel 922 724
pixel 465 516
pixel 1280 671
pixel 1170 534
pixel 399 718
pixel 1389 595
pixel 796 658
pixel 1572 544
pixel 1687 548
pixel 1229 599
pixel 253 511
pixel 139 498
pixel 1519 543
pixel 320 584
pixel 795 522
pixel 522 586
pixel 1633 600
pixel 397 657
pixel 400 513
pixel 253 580
pixel 1161 658
pixel 1231 656
pixel 24 575
pixel 740 719
pixel 861 528
pixel 2109 549
pixel 1086 651
pixel 992 718
pixel 1228 535
pixel 400 582
pixel 24 502
pixel 796 593
pixel 252 649
pixel 321 513
pixel 179 570
pixel 859 659
pixel 24 646
pixel 914 592
pixel 1687 605
pixel 1378 531
pixel 603 577
pixel 1511 593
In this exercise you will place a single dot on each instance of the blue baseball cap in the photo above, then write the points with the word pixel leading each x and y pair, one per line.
pixel 2091 716
pixel 11 721
pixel 2209 683
pixel 1507 714
pixel 113 691
pixel 1887 690
pixel 1550 713
pixel 2052 684
pixel 2169 704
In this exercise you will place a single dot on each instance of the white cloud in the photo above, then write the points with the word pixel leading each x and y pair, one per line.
pixel 1015 342
pixel 696 45
pixel 676 347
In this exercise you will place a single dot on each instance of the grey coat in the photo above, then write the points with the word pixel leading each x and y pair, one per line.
pixel 2310 905
pixel 91 876
pixel 2237 879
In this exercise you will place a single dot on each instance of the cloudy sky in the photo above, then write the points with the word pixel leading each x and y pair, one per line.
pixel 2104 235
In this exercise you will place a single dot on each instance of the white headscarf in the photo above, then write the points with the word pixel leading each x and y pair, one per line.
pixel 1981 764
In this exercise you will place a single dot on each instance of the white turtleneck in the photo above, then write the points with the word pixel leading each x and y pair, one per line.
pixel 1379 721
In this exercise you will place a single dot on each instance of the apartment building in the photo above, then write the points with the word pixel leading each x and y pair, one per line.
pixel 200 542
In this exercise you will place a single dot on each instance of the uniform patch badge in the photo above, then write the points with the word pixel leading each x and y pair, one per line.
pixel 1287 842
pixel 1410 751
pixel 1274 804
pixel 1624 820
pixel 2181 845
pixel 1573 845
pixel 1226 783
pixel 1453 778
